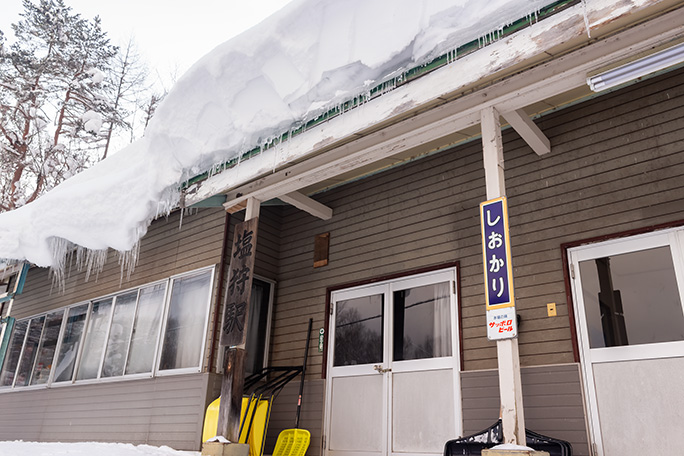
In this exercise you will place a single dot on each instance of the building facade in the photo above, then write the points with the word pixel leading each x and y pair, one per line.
pixel 399 360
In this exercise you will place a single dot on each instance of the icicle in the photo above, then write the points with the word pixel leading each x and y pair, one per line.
pixel 586 18
pixel 94 262
pixel 59 248
pixel 128 260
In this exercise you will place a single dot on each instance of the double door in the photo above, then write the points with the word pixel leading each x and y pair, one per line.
pixel 393 370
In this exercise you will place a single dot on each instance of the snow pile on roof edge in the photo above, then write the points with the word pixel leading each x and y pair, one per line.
pixel 302 60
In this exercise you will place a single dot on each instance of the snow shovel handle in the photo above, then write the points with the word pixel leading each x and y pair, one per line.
pixel 301 384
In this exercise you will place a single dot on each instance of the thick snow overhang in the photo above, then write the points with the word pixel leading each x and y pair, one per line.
pixel 538 69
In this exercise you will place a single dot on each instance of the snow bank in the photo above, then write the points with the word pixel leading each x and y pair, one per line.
pixel 308 57
pixel 19 448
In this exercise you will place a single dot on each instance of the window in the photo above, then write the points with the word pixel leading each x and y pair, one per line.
pixel 183 338
pixel 359 327
pixel 259 325
pixel 629 294
pixel 115 336
pixel 71 342
pixel 405 319
pixel 146 329
pixel 632 298
pixel 422 326
pixel 47 348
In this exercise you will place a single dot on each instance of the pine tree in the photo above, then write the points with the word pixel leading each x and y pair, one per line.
pixel 55 70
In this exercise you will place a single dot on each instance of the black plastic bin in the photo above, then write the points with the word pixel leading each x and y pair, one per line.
pixel 473 445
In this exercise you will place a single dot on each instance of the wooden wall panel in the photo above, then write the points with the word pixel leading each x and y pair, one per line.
pixel 552 397
pixel 161 411
pixel 311 418
pixel 616 164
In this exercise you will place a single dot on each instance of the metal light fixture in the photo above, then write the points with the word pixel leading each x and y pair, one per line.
pixel 638 68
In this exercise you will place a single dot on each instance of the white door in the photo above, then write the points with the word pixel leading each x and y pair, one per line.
pixel 393 370
pixel 630 320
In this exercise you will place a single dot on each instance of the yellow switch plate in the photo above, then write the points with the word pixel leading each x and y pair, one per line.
pixel 551 309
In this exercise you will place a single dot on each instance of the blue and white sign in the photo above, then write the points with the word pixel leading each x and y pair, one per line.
pixel 498 270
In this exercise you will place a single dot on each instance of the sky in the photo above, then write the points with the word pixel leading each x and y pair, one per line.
pixel 171 35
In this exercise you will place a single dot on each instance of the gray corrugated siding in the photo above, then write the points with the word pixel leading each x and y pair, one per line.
pixel 160 411
pixel 552 398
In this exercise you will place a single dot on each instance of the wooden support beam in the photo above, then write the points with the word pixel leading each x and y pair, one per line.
pixel 510 381
pixel 492 146
pixel 307 204
pixel 233 207
pixel 528 130
pixel 253 206
pixel 231 395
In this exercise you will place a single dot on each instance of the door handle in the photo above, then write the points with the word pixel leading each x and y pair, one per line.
pixel 379 368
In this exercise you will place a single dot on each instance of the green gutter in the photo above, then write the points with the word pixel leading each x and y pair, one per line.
pixel 404 78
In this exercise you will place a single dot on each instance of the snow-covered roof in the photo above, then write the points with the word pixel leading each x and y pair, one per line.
pixel 298 63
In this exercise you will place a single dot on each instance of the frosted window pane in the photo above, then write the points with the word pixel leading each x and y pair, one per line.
pixel 13 353
pixel 185 322
pixel 146 330
pixel 28 356
pixel 94 340
pixel 632 299
pixel 358 331
pixel 71 341
pixel 422 322
pixel 119 334
pixel 46 351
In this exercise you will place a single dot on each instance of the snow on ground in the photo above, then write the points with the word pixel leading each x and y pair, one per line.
pixel 308 57
pixel 19 448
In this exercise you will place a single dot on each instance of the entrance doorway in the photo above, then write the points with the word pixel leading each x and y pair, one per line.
pixel 628 297
pixel 393 382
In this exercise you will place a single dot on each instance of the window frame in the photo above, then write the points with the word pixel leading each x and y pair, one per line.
pixel 161 329
pixel 167 301
pixel 387 288
pixel 672 238
pixel 269 317
pixel 77 360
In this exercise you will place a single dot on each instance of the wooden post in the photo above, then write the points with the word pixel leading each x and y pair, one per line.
pixel 236 321
pixel 510 383
pixel 231 394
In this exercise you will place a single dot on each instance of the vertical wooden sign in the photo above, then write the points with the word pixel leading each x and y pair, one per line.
pixel 239 291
